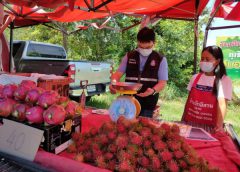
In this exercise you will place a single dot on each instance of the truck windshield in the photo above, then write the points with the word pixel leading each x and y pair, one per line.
pixel 46 51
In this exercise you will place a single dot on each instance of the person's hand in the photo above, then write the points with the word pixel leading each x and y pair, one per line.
pixel 112 90
pixel 148 92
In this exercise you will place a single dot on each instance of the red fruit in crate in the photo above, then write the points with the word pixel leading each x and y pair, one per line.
pixel 28 83
pixel 8 90
pixel 54 115
pixel 33 95
pixel 35 114
pixel 21 92
pixel 19 111
pixel 6 106
pixel 48 98
pixel 71 108
pixel 1 91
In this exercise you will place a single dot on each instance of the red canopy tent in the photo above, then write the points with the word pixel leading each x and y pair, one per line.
pixel 229 10
pixel 78 10
pixel 175 9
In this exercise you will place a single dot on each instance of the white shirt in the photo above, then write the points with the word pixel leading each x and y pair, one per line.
pixel 224 87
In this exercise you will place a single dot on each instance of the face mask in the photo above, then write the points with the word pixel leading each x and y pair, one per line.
pixel 145 52
pixel 206 66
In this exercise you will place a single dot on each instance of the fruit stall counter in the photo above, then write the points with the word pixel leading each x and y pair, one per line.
pixel 220 153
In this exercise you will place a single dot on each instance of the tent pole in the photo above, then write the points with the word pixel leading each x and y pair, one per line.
pixel 195 45
pixel 209 23
pixel 11 45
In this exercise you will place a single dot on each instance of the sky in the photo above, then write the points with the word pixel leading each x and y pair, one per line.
pixel 213 34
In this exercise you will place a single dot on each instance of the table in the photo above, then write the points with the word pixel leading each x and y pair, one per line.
pixel 222 153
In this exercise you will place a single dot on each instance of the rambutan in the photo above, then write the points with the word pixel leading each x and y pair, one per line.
pixel 146 132
pixel 111 165
pixel 174 145
pixel 103 139
pixel 125 166
pixel 144 161
pixel 135 138
pixel 173 167
pixel 150 152
pixel 147 143
pixel 140 151
pixel 166 127
pixel 142 170
pixel 97 153
pixel 121 141
pixel 159 145
pixel 75 136
pixel 144 121
pixel 123 155
pixel 121 128
pixel 182 164
pixel 178 154
pixel 112 148
pixel 79 157
pixel 175 129
pixel 101 162
pixel 108 155
pixel 88 156
pixel 112 135
pixel 93 131
pixel 107 126
pixel 82 148
pixel 155 164
pixel 72 148
pixel 194 169
pixel 166 155
pixel 156 138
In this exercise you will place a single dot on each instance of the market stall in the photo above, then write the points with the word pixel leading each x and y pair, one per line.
pixel 217 149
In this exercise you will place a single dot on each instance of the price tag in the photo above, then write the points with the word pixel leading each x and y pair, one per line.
pixel 19 140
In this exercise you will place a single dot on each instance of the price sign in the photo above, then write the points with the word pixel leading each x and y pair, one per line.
pixel 19 140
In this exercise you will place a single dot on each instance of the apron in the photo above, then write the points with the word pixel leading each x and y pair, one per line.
pixel 201 106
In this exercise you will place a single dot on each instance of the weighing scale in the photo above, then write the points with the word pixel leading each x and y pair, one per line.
pixel 125 104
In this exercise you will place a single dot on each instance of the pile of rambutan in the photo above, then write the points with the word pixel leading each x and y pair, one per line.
pixel 137 146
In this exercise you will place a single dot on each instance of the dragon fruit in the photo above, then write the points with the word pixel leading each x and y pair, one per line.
pixel 54 115
pixel 1 91
pixel 33 95
pixel 6 106
pixel 21 92
pixel 35 114
pixel 19 111
pixel 28 83
pixel 71 108
pixel 48 98
pixel 8 90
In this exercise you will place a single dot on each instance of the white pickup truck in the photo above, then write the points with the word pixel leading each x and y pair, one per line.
pixel 44 58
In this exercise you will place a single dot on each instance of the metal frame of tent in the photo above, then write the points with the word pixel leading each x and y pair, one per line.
pixel 91 7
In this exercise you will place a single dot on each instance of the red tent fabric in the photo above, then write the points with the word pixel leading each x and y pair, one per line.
pixel 166 9
pixel 25 16
pixel 228 11
pixel 235 13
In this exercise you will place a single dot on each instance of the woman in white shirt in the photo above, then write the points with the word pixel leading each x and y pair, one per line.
pixel 209 91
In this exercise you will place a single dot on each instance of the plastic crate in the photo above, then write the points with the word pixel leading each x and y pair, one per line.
pixel 59 85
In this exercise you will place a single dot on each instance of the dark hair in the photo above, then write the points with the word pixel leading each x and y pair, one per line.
pixel 220 69
pixel 146 35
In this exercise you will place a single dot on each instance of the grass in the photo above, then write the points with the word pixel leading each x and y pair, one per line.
pixel 170 109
